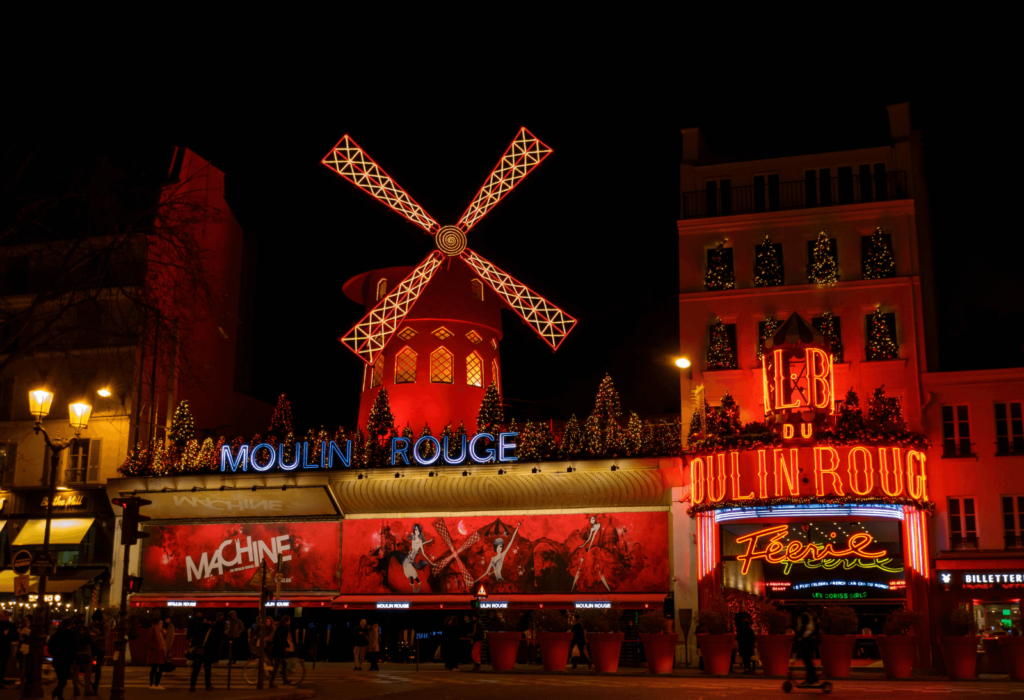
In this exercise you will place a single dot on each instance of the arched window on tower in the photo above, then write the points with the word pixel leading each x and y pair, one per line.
pixel 442 366
pixel 405 366
pixel 494 375
pixel 382 288
pixel 377 375
pixel 474 369
pixel 477 288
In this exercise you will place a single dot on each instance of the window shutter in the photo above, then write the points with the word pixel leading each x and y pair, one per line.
pixel 95 450
pixel 12 463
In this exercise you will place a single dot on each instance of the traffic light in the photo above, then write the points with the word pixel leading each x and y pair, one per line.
pixel 133 584
pixel 131 518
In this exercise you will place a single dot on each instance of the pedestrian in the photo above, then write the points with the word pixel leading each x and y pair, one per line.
pixel 199 636
pixel 450 640
pixel 745 643
pixel 360 640
pixel 279 648
pixel 235 627
pixel 476 637
pixel 83 658
pixel 221 624
pixel 155 656
pixel 807 637
pixel 98 644
pixel 8 637
pixel 373 648
pixel 579 641
pixel 61 646
pixel 169 632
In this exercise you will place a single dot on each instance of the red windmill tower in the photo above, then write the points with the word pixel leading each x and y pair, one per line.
pixel 431 333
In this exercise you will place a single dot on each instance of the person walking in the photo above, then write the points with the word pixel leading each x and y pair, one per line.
pixel 579 640
pixel 169 631
pixel 807 638
pixel 476 637
pixel 360 640
pixel 450 639
pixel 373 648
pixel 61 646
pixel 155 656
pixel 98 644
pixel 745 642
pixel 8 637
pixel 280 647
pixel 83 658
pixel 236 642
pixel 198 640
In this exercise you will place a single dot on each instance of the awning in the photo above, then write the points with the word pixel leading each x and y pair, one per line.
pixel 3 523
pixel 62 531
pixel 170 600
pixel 68 582
pixel 7 581
pixel 628 601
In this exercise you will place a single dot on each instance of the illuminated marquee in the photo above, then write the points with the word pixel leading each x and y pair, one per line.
pixel 480 449
pixel 766 545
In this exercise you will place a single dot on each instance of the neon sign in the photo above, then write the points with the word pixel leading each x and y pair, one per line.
pixel 480 449
pixel 773 551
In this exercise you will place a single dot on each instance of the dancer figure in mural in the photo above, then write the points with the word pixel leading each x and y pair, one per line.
pixel 595 527
pixel 410 566
pixel 498 560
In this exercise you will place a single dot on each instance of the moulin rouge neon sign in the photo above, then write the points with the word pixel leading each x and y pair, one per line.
pixel 766 545
pixel 479 449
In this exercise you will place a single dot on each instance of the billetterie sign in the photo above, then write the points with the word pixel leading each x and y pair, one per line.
pixel 479 449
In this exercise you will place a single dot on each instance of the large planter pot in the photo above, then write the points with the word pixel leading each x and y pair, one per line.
pixel 605 648
pixel 554 649
pixel 775 650
pixel 898 653
pixel 716 650
pixel 1013 656
pixel 660 649
pixel 993 655
pixel 836 654
pixel 503 647
pixel 960 655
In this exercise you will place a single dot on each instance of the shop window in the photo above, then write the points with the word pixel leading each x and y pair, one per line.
pixel 963 527
pixel 1009 429
pixel 405 366
pixel 377 375
pixel 477 289
pixel 956 432
pixel 1013 521
pixel 8 462
pixel 474 369
pixel 474 337
pixel 829 326
pixel 442 333
pixel 407 333
pixel 442 366
pixel 495 376
pixel 382 288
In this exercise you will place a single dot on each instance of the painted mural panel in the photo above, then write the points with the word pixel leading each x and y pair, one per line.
pixel 224 557
pixel 529 554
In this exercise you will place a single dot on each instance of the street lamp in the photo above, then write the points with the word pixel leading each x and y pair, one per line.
pixel 682 363
pixel 39 402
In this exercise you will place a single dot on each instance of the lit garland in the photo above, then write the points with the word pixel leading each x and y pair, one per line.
pixel 768 265
pixel 720 274
pixel 754 503
pixel 881 345
pixel 721 354
pixel 824 269
pixel 878 260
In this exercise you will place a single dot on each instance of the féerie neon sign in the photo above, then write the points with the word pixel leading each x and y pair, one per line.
pixel 773 551
pixel 479 449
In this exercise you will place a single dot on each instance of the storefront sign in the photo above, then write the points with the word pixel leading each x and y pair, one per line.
pixel 278 604
pixel 983 580
pixel 479 449
pixel 181 603
pixel 269 503
pixel 60 501
pixel 767 545
pixel 593 605
pixel 597 553
pixel 224 557
pixel 855 471
pixel 493 604
pixel 392 606
pixel 798 380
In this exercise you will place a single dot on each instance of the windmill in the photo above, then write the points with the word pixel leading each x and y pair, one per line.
pixel 449 349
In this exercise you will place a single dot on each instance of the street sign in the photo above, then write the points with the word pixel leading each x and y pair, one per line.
pixel 482 591
pixel 44 563
pixel 258 576
pixel 22 562
pixel 21 585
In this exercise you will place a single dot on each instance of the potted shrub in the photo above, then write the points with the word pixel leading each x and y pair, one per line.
pixel 775 646
pixel 503 639
pixel 658 640
pixel 1012 649
pixel 838 627
pixel 604 636
pixel 554 637
pixel 717 641
pixel 898 643
pixel 959 645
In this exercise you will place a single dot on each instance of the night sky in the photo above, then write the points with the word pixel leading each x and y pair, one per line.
pixel 592 229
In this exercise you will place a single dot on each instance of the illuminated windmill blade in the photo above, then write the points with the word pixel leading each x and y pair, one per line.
pixel 550 322
pixel 523 155
pixel 352 163
pixel 368 337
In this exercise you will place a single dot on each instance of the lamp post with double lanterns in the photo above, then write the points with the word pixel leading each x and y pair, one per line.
pixel 39 402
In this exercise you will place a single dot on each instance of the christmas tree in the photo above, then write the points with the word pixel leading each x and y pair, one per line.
pixel 614 440
pixel 427 450
pixel 378 424
pixel 407 432
pixel 528 439
pixel 491 415
pixel 358 448
pixel 720 352
pixel 878 261
pixel 729 416
pixel 885 415
pixel 634 435
pixel 881 345
pixel 768 265
pixel 831 333
pixel 607 406
pixel 646 440
pixel 546 445
pixel 281 421
pixel 158 451
pixel 767 331
pixel 720 274
pixel 572 440
pixel 452 446
pixel 849 417
pixel 206 458
pixel 183 427
pixel 824 269
pixel 593 439
pixel 460 433
pixel 695 431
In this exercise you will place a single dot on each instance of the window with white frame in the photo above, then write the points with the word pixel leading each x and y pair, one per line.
pixel 963 523
pixel 956 431
pixel 1009 429
pixel 1013 521
pixel 83 462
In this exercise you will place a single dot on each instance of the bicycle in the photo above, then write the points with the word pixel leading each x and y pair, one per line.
pixel 295 665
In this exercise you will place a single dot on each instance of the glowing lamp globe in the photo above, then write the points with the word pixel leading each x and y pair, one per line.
pixel 39 402
pixel 682 363
pixel 104 392
pixel 79 414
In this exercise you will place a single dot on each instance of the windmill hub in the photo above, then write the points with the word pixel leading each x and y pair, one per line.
pixel 450 240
